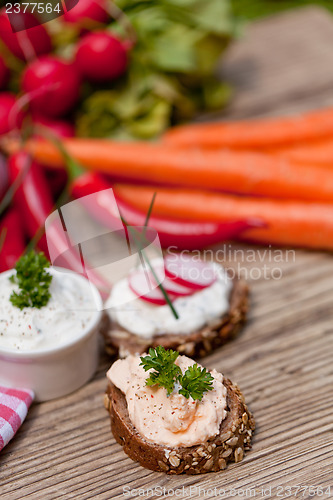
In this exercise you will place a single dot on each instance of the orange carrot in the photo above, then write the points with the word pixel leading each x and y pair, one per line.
pixel 292 223
pixel 316 153
pixel 254 134
pixel 240 172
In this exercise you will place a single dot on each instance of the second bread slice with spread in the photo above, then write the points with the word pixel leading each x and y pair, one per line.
pixel 230 438
pixel 133 328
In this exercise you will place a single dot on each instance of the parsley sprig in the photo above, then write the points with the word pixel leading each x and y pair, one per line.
pixel 33 281
pixel 163 362
pixel 193 383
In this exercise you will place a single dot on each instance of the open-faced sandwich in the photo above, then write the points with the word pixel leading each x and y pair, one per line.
pixel 211 307
pixel 172 415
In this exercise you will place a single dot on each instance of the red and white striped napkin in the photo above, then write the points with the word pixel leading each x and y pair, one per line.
pixel 14 405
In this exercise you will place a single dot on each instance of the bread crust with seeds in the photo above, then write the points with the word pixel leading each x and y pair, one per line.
pixel 121 342
pixel 212 456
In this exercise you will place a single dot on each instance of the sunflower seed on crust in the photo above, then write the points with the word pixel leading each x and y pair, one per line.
pixel 209 464
pixel 225 436
pixel 163 466
pixel 239 454
pixel 226 453
pixel 222 463
pixel 232 441
pixel 106 402
pixel 174 461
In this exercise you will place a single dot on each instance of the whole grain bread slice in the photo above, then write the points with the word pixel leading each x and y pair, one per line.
pixel 212 456
pixel 121 342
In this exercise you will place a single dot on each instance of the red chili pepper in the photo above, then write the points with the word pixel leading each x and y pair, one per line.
pixel 34 200
pixel 3 176
pixel 57 180
pixel 188 235
pixel 14 244
pixel 32 197
pixel 182 234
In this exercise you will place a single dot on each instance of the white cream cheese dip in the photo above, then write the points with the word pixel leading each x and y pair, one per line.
pixel 68 313
pixel 147 320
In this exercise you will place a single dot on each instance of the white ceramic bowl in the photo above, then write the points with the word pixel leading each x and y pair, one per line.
pixel 56 371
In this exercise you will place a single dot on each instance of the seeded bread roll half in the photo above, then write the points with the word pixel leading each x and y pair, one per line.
pixel 229 445
pixel 121 342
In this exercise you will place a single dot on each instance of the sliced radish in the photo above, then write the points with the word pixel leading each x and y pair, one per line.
pixel 142 284
pixel 170 285
pixel 189 272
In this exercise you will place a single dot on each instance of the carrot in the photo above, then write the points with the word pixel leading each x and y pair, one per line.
pixel 316 153
pixel 240 172
pixel 292 223
pixel 254 134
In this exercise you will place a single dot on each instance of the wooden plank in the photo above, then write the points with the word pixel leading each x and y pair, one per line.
pixel 280 69
pixel 282 360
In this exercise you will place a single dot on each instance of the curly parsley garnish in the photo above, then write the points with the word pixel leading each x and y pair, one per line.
pixel 194 383
pixel 33 281
pixel 163 362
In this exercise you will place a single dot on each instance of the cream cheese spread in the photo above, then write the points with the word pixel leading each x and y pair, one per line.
pixel 147 320
pixel 169 420
pixel 68 313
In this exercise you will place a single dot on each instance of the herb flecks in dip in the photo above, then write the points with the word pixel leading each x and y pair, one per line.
pixel 67 313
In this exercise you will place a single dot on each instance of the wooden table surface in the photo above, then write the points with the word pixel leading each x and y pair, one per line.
pixel 282 360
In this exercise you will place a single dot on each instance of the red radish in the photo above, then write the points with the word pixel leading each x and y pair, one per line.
pixel 141 283
pixel 58 127
pixel 94 10
pixel 4 73
pixel 53 86
pixel 169 285
pixel 101 57
pixel 189 272
pixel 25 43
pixel 10 117
pixel 175 289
